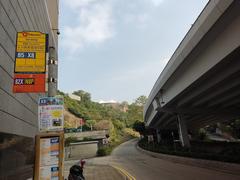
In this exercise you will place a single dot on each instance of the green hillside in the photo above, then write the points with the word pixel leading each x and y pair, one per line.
pixel 117 119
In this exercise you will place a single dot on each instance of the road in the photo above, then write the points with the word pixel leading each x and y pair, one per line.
pixel 145 167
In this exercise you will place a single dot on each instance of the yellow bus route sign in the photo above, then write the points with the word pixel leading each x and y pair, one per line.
pixel 31 48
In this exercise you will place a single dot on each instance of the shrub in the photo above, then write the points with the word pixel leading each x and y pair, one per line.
pixel 70 140
pixel 104 151
pixel 87 138
pixel 131 132
pixel 139 126
pixel 119 125
pixel 230 152
pixel 202 135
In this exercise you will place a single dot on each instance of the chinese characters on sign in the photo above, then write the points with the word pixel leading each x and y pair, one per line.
pixel 50 114
pixel 31 52
pixel 30 63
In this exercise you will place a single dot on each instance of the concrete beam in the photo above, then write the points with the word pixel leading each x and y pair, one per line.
pixel 202 25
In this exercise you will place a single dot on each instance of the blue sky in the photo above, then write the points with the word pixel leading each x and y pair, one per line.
pixel 116 49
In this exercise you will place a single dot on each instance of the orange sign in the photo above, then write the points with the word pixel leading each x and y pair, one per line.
pixel 26 83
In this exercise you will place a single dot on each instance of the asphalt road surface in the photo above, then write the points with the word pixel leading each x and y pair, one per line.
pixel 145 167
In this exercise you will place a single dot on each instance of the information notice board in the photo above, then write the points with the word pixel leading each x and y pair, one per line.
pixel 50 113
pixel 49 156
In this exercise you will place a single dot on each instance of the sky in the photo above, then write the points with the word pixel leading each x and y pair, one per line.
pixel 116 49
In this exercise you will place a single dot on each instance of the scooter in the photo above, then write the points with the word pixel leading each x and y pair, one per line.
pixel 76 171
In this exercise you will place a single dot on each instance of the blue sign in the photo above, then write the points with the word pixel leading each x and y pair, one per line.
pixel 29 55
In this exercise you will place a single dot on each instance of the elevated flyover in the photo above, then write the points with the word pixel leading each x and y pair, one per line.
pixel 201 82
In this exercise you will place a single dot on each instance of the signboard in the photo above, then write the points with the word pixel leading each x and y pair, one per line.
pixel 30 62
pixel 81 121
pixel 31 48
pixel 29 83
pixel 49 173
pixel 49 156
pixel 49 151
pixel 50 113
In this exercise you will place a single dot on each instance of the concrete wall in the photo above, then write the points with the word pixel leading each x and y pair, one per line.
pixel 87 134
pixel 18 112
pixel 81 151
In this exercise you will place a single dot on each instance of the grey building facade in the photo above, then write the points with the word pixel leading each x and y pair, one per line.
pixel 19 112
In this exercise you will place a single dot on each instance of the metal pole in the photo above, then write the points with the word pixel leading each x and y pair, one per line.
pixel 52 72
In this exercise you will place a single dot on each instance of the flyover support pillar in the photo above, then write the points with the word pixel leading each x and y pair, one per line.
pixel 183 134
pixel 159 138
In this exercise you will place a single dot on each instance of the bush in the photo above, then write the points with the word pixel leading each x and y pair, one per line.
pixel 87 138
pixel 230 152
pixel 104 151
pixel 119 125
pixel 75 112
pixel 70 140
pixel 139 126
pixel 202 135
pixel 130 132
pixel 85 128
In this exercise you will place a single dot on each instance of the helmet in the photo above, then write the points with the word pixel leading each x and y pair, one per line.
pixel 76 170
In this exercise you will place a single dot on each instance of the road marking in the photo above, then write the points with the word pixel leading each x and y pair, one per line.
pixel 124 172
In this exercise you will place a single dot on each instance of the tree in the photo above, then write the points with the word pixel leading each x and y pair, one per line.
pixel 119 125
pixel 134 113
pixel 85 96
pixel 90 123
pixel 102 125
pixel 139 127
pixel 141 101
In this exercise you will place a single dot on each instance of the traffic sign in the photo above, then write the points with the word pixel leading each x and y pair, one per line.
pixel 31 48
pixel 29 83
